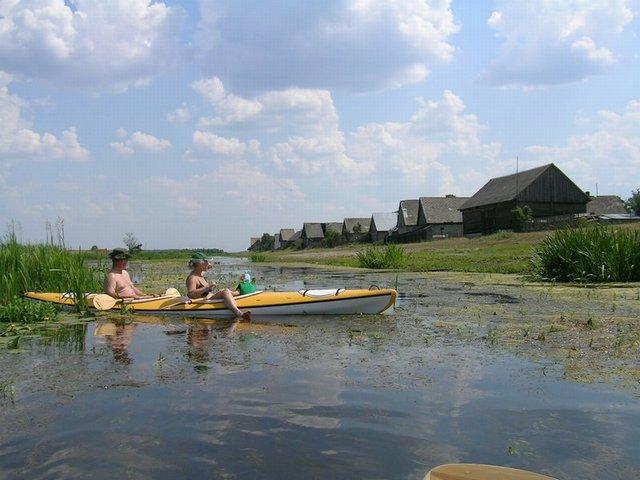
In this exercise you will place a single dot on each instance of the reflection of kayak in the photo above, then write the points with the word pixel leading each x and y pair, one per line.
pixel 302 302
pixel 472 471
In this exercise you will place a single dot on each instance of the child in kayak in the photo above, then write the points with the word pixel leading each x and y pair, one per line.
pixel 245 286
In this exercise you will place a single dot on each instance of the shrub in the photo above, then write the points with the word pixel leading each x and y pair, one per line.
pixel 258 257
pixel 20 310
pixel 521 215
pixel 633 204
pixel 332 238
pixel 590 254
pixel 392 256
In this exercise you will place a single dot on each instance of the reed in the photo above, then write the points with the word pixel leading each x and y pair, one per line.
pixel 258 257
pixel 392 256
pixel 43 267
pixel 590 254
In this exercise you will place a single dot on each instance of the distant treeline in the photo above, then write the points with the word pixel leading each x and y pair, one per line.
pixel 168 254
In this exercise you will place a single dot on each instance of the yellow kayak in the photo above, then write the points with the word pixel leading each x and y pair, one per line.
pixel 302 302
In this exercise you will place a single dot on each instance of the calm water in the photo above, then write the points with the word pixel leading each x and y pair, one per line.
pixel 352 397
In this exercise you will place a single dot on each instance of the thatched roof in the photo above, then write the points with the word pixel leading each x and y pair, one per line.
pixel 606 205
pixel 296 236
pixel 504 189
pixel 253 241
pixel 286 234
pixel 383 222
pixel 408 210
pixel 442 209
pixel 350 224
pixel 337 226
pixel 312 230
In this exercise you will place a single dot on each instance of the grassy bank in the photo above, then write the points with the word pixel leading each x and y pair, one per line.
pixel 503 252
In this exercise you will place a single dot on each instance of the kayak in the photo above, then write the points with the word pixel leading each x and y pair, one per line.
pixel 302 302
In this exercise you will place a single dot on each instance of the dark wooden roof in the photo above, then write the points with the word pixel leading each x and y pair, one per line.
pixel 350 223
pixel 312 230
pixel 441 209
pixel 520 186
pixel 606 205
pixel 286 234
pixel 383 222
pixel 408 209
pixel 296 236
pixel 253 241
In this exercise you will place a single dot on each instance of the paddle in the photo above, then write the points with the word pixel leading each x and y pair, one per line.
pixel 102 301
pixel 473 471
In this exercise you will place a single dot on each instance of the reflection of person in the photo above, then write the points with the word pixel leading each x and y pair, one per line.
pixel 118 338
pixel 117 282
pixel 198 287
pixel 245 286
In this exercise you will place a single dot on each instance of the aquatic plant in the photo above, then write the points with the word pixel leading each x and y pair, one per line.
pixel 44 267
pixel 392 256
pixel 19 310
pixel 590 254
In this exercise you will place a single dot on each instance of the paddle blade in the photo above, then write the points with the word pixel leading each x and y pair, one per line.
pixel 104 302
pixel 172 292
pixel 472 471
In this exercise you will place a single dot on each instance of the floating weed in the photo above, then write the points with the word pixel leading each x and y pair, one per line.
pixel 591 324
pixel 8 391
pixel 493 336
pixel 541 337
pixel 160 361
pixel 556 328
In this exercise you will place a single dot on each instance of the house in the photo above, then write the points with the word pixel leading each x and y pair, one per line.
pixel 606 205
pixel 442 214
pixel 312 235
pixel 254 244
pixel 546 190
pixel 337 226
pixel 407 216
pixel 333 239
pixel 355 229
pixel 296 240
pixel 277 244
pixel 381 225
pixel 285 237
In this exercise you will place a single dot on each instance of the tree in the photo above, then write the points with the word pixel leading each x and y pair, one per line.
pixel 633 204
pixel 94 248
pixel 132 243
pixel 332 238
pixel 357 228
pixel 266 242
pixel 521 215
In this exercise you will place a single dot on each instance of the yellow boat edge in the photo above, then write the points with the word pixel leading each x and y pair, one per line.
pixel 168 305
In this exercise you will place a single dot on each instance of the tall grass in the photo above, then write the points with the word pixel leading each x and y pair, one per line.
pixel 43 267
pixel 258 257
pixel 590 254
pixel 391 256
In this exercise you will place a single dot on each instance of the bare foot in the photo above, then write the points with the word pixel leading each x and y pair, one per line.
pixel 244 316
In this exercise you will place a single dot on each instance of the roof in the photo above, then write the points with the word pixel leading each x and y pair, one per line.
pixel 286 234
pixel 504 189
pixel 253 241
pixel 350 223
pixel 442 209
pixel 384 221
pixel 312 230
pixel 606 205
pixel 296 236
pixel 337 226
pixel 409 210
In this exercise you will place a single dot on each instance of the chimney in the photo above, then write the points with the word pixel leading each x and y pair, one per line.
pixel 450 195
pixel 588 194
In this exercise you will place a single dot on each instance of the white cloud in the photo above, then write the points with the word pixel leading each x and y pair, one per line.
pixel 89 43
pixel 121 132
pixel 18 140
pixel 555 41
pixel 222 146
pixel 139 141
pixel 607 153
pixel 355 44
pixel 179 115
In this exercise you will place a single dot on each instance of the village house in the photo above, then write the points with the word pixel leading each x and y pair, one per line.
pixel 296 240
pixel 442 214
pixel 254 244
pixel 407 216
pixel 312 235
pixel 277 244
pixel 381 225
pixel 606 205
pixel 285 237
pixel 546 190
pixel 355 229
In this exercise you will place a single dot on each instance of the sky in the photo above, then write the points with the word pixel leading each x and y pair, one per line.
pixel 204 123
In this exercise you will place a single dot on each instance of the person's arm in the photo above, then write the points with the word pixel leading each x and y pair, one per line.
pixel 139 293
pixel 109 286
pixel 193 291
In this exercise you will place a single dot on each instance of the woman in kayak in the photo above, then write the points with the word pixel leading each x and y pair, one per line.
pixel 198 287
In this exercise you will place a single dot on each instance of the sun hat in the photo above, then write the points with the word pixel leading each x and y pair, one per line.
pixel 119 254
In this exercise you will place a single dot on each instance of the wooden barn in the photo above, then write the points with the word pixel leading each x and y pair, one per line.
pixel 381 225
pixel 277 243
pixel 285 237
pixel 355 229
pixel 254 244
pixel 312 235
pixel 407 216
pixel 296 240
pixel 546 190
pixel 337 226
pixel 442 214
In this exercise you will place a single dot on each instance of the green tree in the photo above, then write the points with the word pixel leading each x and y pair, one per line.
pixel 633 203
pixel 521 215
pixel 132 243
pixel 266 242
pixel 332 238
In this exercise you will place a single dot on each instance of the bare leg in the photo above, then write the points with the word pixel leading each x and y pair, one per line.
pixel 230 302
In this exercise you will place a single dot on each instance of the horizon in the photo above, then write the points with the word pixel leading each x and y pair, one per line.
pixel 210 122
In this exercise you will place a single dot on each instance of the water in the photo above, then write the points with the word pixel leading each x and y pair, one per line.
pixel 307 397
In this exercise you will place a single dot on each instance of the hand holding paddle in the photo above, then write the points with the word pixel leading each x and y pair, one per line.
pixel 102 301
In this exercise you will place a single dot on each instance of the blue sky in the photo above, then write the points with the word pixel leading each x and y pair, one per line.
pixel 202 123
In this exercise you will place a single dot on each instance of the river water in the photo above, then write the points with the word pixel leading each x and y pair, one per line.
pixel 387 396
